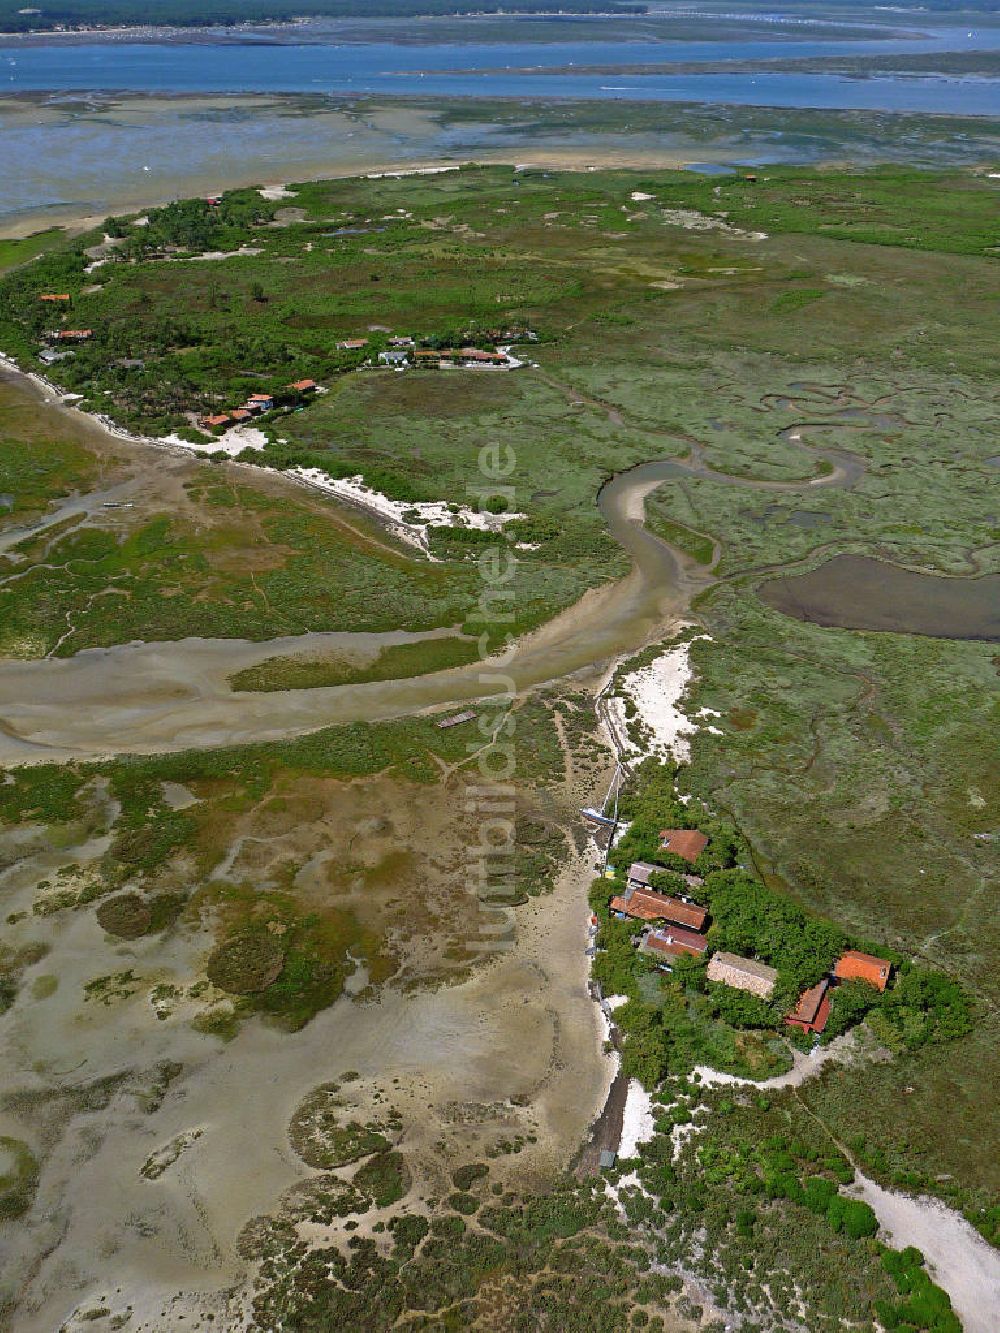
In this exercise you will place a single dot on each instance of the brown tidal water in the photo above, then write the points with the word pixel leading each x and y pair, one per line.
pixel 857 592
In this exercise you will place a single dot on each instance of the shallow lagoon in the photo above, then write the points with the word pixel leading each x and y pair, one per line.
pixel 857 592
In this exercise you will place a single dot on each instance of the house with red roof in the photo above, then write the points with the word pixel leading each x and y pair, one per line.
pixel 813 1008
pixel 685 842
pixel 666 942
pixel 648 905
pixel 857 966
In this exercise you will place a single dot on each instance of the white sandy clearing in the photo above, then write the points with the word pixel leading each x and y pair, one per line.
pixel 656 691
pixel 958 1258
pixel 231 442
pixel 275 193
pixel 244 252
pixel 637 1121
pixel 411 171
pixel 408 521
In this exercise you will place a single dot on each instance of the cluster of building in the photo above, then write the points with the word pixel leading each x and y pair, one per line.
pixel 676 927
pixel 256 405
pixel 672 926
pixel 402 352
pixel 813 1009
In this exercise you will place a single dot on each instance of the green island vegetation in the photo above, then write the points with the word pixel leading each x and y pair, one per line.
pixel 475 254
pixel 15 251
pixel 851 797
pixel 182 13
pixel 392 663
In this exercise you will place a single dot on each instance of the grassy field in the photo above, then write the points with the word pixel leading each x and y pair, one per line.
pixel 39 462
pixel 20 251
pixel 660 322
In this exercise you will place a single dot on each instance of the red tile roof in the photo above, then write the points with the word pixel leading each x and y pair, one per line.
pixel 813 1008
pixel 219 420
pixel 54 296
pixel 686 842
pixel 675 940
pixel 857 966
pixel 303 385
pixel 240 414
pixel 647 905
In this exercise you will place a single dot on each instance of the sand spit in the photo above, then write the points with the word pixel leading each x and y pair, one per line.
pixel 407 521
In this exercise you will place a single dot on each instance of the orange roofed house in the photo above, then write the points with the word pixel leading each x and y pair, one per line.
pixel 812 1010
pixel 672 942
pixel 857 966
pixel 648 905
pixel 686 842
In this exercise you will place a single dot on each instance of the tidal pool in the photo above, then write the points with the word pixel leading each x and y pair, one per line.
pixel 857 592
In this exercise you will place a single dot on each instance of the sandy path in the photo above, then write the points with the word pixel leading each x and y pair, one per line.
pixel 803 1067
pixel 958 1258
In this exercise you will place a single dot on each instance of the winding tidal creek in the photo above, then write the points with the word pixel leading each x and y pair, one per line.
pixel 145 698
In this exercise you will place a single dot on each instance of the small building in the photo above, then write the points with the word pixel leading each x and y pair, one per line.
pixel 401 342
pixel 54 297
pixel 240 414
pixel 648 905
pixel 50 356
pixel 742 974
pixel 130 363
pixel 425 356
pixel 666 942
pixel 858 966
pixel 352 344
pixel 473 356
pixel 304 386
pixel 456 718
pixel 685 842
pixel 260 402
pixel 640 871
pixel 73 335
pixel 607 1159
pixel 813 1008
pixel 213 422
pixel 394 356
